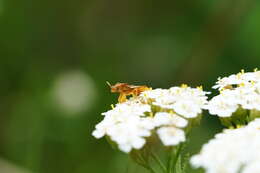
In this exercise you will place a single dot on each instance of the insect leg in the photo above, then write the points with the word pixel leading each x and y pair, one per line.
pixel 122 98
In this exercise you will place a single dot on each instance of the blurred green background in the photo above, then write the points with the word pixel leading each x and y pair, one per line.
pixel 57 54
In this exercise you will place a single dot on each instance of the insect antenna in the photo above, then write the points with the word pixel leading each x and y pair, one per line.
pixel 108 84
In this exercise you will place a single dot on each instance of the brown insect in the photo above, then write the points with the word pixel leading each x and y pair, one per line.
pixel 125 90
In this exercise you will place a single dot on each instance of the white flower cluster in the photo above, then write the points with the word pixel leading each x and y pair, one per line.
pixel 233 151
pixel 131 122
pixel 126 125
pixel 185 101
pixel 240 90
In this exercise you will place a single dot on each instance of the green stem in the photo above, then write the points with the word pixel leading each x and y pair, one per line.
pixel 174 156
pixel 170 160
pixel 178 151
pixel 144 163
pixel 151 169
pixel 156 158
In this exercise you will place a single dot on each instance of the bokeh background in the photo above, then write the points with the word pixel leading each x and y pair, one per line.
pixel 57 54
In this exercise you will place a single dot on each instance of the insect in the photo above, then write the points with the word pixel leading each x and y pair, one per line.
pixel 125 90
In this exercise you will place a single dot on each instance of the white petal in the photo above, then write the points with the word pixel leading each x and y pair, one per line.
pixel 171 136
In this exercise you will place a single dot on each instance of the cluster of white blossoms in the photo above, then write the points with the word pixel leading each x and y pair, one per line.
pixel 164 111
pixel 236 91
pixel 185 101
pixel 233 151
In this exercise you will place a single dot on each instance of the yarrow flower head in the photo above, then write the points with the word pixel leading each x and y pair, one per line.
pixel 239 98
pixel 185 101
pixel 167 112
pixel 239 79
pixel 233 151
